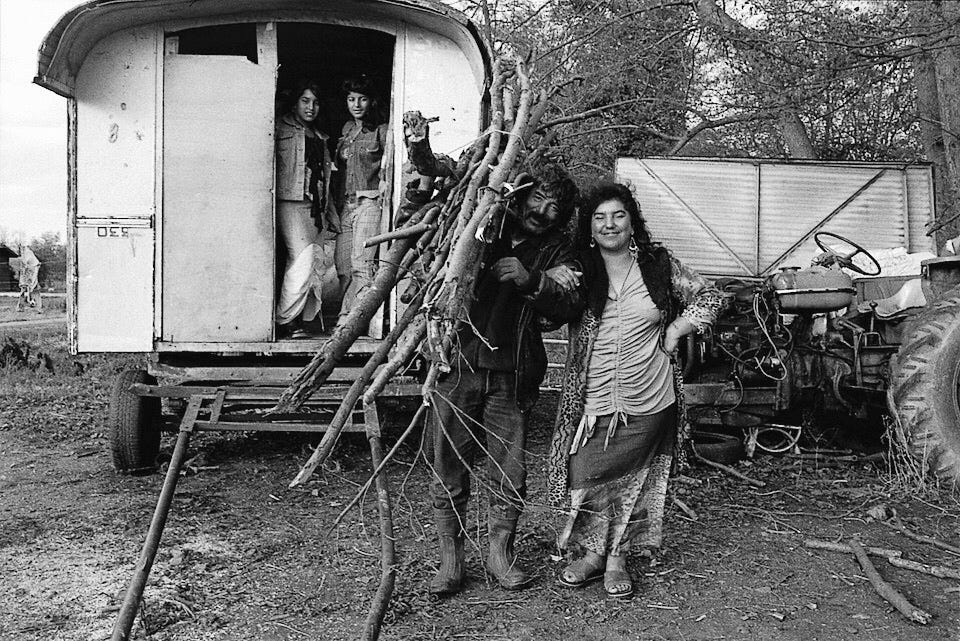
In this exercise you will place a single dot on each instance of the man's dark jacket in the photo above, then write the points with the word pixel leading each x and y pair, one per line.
pixel 511 318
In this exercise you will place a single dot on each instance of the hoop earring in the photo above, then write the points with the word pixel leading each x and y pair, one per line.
pixel 593 241
pixel 633 248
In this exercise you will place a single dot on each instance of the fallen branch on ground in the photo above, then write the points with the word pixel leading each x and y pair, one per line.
pixel 895 557
pixel 729 470
pixel 817 544
pixel 887 591
pixel 898 525
pixel 940 571
pixel 686 509
pixel 889 517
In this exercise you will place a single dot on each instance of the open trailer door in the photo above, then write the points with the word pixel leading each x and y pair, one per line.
pixel 217 228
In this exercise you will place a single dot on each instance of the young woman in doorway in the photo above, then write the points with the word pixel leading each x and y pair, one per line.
pixel 359 156
pixel 304 207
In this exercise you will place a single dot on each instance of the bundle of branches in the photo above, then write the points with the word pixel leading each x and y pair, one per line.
pixel 439 244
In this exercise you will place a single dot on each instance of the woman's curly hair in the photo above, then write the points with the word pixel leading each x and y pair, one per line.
pixel 653 258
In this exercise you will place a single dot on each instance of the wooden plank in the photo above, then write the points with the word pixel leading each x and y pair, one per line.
pixel 257 374
pixel 324 395
pixel 363 345
pixel 371 419
pixel 71 244
pixel 217 406
pixel 189 420
pixel 240 426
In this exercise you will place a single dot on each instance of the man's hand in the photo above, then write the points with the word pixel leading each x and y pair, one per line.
pixel 511 269
pixel 566 277
pixel 415 127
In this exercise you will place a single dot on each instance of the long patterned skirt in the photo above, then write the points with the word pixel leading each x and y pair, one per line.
pixel 618 484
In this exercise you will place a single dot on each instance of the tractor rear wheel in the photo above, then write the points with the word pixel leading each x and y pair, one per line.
pixel 134 425
pixel 925 387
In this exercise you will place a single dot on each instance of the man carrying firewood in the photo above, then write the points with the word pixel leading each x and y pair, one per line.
pixel 483 404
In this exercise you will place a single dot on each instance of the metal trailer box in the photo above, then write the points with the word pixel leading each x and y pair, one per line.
pixel 747 218
pixel 172 235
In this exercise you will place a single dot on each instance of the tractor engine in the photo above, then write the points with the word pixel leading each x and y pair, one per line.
pixel 784 350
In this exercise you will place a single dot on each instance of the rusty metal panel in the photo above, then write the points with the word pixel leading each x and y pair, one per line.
pixel 863 203
pixel 921 206
pixel 750 217
pixel 702 210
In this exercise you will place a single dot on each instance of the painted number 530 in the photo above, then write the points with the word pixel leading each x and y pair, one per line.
pixel 113 232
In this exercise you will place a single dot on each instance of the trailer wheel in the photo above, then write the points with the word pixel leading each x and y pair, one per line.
pixel 925 387
pixel 134 425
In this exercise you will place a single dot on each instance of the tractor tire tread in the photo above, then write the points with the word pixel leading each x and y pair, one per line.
pixel 917 392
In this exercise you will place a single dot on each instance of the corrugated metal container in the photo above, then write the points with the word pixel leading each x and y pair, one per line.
pixel 750 217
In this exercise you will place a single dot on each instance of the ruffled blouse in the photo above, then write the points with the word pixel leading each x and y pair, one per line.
pixel 628 374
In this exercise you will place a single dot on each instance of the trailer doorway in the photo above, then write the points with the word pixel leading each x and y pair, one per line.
pixel 329 55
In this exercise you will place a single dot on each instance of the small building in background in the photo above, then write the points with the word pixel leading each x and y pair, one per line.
pixel 8 280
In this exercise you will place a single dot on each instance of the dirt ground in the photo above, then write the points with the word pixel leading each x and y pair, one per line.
pixel 244 557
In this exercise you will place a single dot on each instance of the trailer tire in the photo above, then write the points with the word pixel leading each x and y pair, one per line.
pixel 925 388
pixel 134 425
pixel 717 447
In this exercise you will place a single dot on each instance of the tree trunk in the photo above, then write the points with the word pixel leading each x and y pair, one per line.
pixel 795 136
pixel 938 109
pixel 946 61
pixel 754 45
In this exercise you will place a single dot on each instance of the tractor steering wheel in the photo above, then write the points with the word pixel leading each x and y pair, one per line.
pixel 846 260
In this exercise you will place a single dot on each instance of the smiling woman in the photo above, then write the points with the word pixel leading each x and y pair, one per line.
pixel 360 153
pixel 304 208
pixel 621 417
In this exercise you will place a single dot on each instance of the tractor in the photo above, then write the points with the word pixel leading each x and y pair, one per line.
pixel 802 343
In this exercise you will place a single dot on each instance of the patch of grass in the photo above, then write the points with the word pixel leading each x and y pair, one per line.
pixel 68 402
pixel 53 305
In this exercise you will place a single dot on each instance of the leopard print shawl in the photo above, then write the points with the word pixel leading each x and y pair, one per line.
pixel 701 303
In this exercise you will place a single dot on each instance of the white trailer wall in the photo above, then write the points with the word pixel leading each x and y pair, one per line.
pixel 116 119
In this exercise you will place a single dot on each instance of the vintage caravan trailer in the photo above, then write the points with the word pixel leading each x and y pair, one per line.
pixel 173 239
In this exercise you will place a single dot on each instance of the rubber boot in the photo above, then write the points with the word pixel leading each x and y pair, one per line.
pixel 449 577
pixel 501 561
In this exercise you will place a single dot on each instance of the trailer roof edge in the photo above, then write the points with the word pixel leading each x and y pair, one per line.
pixel 67 44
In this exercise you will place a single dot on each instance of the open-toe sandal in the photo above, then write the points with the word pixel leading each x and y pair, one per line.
pixel 618 584
pixel 584 572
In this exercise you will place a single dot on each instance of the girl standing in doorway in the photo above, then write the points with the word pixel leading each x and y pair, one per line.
pixel 304 207
pixel 359 156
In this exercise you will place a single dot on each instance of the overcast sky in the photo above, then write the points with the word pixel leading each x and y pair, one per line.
pixel 33 124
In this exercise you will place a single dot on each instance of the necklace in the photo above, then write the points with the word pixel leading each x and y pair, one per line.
pixel 615 294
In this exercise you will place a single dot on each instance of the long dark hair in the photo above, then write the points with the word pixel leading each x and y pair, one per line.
pixel 293 98
pixel 652 258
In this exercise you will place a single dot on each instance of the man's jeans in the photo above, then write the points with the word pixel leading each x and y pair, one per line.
pixel 490 419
